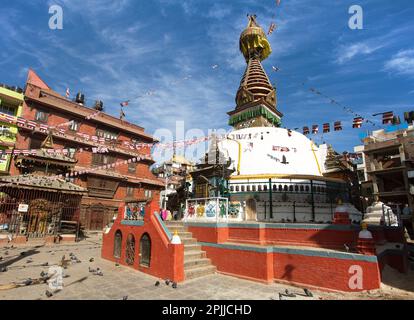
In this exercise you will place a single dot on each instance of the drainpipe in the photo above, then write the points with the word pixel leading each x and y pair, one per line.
pixel 313 201
pixel 270 198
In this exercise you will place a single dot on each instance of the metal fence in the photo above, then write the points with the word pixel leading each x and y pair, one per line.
pixel 296 197
pixel 36 213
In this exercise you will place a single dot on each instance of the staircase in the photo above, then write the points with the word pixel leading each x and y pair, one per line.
pixel 196 263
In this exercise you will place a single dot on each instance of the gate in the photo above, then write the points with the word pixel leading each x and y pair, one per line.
pixel 130 250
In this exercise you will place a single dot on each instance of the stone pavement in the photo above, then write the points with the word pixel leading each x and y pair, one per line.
pixel 120 281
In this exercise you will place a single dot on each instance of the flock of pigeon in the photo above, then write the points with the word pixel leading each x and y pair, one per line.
pixel 64 263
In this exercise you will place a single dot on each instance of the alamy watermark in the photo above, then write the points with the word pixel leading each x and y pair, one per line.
pixel 56 20
pixel 55 278
pixel 356 21
pixel 356 279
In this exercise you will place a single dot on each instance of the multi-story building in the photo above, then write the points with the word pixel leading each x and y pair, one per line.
pixel 106 156
pixel 386 171
pixel 11 103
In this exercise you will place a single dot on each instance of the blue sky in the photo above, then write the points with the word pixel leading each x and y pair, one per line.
pixel 114 50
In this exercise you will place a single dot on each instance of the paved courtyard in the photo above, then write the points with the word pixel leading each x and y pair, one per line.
pixel 118 282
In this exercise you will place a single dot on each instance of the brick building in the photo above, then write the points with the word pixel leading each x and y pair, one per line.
pixel 120 174
pixel 387 169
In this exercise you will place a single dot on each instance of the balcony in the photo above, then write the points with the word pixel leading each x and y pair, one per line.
pixel 73 137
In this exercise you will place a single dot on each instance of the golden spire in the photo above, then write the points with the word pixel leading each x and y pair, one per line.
pixel 253 41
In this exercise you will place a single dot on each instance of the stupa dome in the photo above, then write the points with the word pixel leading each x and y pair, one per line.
pixel 260 151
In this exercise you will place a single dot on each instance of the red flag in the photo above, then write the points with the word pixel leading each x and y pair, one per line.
pixel 315 129
pixel 124 103
pixel 387 117
pixel 326 128
pixel 272 28
pixel 337 126
pixel 357 122
pixel 305 130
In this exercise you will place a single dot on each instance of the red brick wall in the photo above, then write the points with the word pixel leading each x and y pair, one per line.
pixel 167 260
pixel 310 271
pixel 329 273
pixel 305 237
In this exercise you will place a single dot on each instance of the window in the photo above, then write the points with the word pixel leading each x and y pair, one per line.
pixel 253 188
pixel 201 190
pixel 130 191
pixel 4 108
pixel 103 188
pixel 145 250
pixel 237 189
pixel 117 244
pixel 248 188
pixel 259 188
pixel 71 152
pixel 242 188
pixel 101 159
pixel 41 116
pixel 132 167
pixel 231 189
pixel 106 134
pixel 6 132
pixel 148 193
pixel 74 125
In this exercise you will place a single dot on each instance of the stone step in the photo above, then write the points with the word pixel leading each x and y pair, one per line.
pixel 199 272
pixel 188 241
pixel 178 224
pixel 194 254
pixel 192 247
pixel 178 228
pixel 185 234
pixel 196 263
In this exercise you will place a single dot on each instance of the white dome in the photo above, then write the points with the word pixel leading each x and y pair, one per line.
pixel 272 151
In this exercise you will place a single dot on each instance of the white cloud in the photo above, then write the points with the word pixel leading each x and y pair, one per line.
pixel 401 63
pixel 348 52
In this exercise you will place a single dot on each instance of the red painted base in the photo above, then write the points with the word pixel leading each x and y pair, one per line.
pixel 166 259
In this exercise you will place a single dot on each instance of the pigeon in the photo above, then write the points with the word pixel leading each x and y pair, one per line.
pixel 48 294
pixel 92 270
pixel 167 282
pixel 71 254
pixel 174 285
pixel 66 276
pixel 125 298
pixel 1 258
pixel 3 269
pixel 157 283
pixel 28 282
pixel 30 260
pixel 288 294
pixel 98 273
pixel 91 260
pixel 43 274
pixel 346 247
pixel 44 264
pixel 22 253
pixel 308 293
